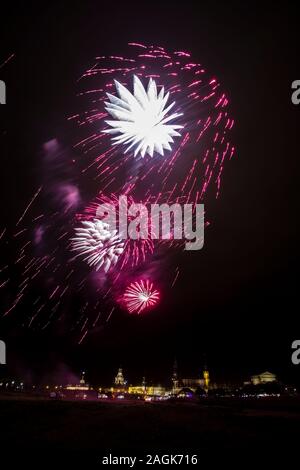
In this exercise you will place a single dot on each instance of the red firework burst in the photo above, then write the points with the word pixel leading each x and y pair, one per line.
pixel 140 295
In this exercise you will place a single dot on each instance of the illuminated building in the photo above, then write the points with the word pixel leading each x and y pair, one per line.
pixel 82 386
pixel 137 390
pixel 197 382
pixel 263 378
pixel 192 383
pixel 185 386
pixel 150 390
pixel 119 379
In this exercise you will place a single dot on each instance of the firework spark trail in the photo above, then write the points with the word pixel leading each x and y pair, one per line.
pixel 2 233
pixel 7 60
pixel 110 314
pixel 96 320
pixel 82 337
pixel 176 277
pixel 17 300
pixel 29 205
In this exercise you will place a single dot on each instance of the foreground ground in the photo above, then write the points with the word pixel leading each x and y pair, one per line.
pixel 231 431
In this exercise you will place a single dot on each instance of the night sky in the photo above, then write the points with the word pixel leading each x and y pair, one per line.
pixel 235 305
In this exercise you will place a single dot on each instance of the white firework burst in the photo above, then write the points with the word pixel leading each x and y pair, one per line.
pixel 140 119
pixel 100 246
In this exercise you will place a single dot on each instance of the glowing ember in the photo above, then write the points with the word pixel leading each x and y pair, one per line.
pixel 140 296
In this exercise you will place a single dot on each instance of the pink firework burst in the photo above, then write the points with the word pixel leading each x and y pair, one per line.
pixel 135 251
pixel 194 164
pixel 140 296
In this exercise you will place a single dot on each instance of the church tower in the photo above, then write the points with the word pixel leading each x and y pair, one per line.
pixel 82 379
pixel 119 379
pixel 206 379
pixel 175 377
pixel 144 385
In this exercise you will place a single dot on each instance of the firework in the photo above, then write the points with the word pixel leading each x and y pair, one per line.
pixel 100 246
pixel 140 296
pixel 142 118
pixel 193 167
pixel 135 251
pixel 45 277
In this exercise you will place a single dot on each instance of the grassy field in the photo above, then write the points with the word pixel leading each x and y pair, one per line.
pixel 35 431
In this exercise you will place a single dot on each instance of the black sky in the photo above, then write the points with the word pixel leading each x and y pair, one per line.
pixel 237 299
